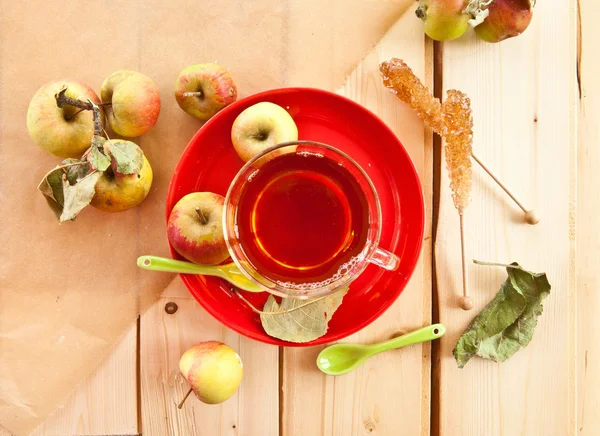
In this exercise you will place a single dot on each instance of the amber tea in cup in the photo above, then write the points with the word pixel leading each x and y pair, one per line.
pixel 302 219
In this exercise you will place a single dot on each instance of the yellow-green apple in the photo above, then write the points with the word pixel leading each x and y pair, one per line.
pixel 261 126
pixel 203 90
pixel 132 102
pixel 117 192
pixel 444 20
pixel 195 228
pixel 213 370
pixel 64 132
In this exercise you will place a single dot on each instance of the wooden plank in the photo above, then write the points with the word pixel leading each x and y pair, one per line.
pixel 389 395
pixel 253 410
pixel 523 95
pixel 588 238
pixel 106 403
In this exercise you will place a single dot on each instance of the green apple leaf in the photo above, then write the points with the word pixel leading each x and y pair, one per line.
pixel 79 195
pixel 297 320
pixel 128 157
pixel 96 156
pixel 507 323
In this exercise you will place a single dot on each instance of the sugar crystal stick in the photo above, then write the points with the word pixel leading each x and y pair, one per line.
pixel 398 77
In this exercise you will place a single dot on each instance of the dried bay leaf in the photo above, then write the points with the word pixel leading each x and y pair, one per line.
pixel 297 320
pixel 508 322
pixel 128 157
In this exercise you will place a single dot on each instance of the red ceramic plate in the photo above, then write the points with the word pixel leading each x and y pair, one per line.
pixel 209 163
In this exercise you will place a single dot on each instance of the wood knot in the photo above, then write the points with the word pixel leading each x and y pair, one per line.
pixel 369 425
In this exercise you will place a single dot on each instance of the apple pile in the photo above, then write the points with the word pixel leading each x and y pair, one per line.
pixel 66 118
pixel 493 20
pixel 213 370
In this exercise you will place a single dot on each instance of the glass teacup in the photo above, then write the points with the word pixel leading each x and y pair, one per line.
pixel 302 219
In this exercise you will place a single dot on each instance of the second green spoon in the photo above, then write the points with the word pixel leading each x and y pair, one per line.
pixel 340 359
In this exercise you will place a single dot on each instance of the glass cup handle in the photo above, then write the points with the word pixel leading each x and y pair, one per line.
pixel 385 259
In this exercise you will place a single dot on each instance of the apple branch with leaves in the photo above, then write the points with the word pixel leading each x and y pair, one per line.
pixel 69 187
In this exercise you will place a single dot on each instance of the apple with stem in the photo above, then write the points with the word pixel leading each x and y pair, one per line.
pixel 116 192
pixel 132 102
pixel 261 126
pixel 63 130
pixel 203 90
pixel 195 228
pixel 213 370
pixel 443 20
pixel 506 19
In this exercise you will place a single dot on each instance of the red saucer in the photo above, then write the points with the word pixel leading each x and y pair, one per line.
pixel 209 163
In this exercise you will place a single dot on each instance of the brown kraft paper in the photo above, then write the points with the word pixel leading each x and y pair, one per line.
pixel 68 291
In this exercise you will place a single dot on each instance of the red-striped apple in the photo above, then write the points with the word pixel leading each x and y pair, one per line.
pixel 203 90
pixel 195 228
pixel 132 102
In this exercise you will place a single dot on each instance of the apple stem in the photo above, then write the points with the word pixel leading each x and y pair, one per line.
pixel 180 405
pixel 203 218
pixel 62 100
pixel 97 119
pixel 193 94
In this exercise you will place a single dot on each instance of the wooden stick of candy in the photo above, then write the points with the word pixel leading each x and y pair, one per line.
pixel 398 77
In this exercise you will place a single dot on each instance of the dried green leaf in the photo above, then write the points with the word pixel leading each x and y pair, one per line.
pixel 75 169
pixel 78 196
pixel 52 188
pixel 97 157
pixel 507 323
pixel 300 320
pixel 128 157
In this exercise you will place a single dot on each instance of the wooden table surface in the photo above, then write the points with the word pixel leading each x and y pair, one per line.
pixel 536 102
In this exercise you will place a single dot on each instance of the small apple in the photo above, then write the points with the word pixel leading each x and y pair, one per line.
pixel 65 132
pixel 117 192
pixel 261 126
pixel 506 19
pixel 213 369
pixel 132 102
pixel 195 228
pixel 203 90
pixel 443 20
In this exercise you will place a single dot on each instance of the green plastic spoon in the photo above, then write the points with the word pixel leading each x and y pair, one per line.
pixel 339 359
pixel 229 271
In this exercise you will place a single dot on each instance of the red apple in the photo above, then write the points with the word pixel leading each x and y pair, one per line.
pixel 213 369
pixel 195 228
pixel 132 102
pixel 203 90
pixel 506 19
pixel 65 132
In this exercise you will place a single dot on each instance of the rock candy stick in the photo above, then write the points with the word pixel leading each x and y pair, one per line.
pixel 458 125
pixel 400 79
